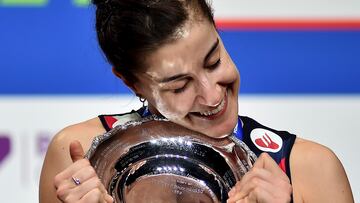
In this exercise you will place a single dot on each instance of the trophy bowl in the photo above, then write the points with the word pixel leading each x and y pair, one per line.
pixel 155 160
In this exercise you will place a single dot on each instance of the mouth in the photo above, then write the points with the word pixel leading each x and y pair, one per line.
pixel 214 113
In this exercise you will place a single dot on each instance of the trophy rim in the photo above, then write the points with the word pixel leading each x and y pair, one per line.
pixel 226 144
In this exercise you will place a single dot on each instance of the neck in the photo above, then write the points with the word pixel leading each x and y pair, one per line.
pixel 153 110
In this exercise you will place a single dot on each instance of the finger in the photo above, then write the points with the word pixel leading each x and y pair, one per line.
pixel 109 198
pixel 96 196
pixel 65 186
pixel 255 184
pixel 268 163
pixel 93 196
pixel 253 173
pixel 70 191
pixel 247 188
pixel 82 189
pixel 85 174
pixel 258 176
pixel 69 172
pixel 257 195
pixel 244 200
pixel 64 190
pixel 76 151
pixel 236 187
pixel 260 195
pixel 232 191
pixel 258 173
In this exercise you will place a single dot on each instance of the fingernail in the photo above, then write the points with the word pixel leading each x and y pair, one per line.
pixel 231 193
pixel 111 198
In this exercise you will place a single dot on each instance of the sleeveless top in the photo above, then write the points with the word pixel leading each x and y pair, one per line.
pixel 257 137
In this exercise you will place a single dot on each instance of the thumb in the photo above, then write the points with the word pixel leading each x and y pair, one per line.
pixel 76 151
pixel 266 162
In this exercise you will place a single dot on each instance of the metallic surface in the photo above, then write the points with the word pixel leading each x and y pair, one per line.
pixel 154 160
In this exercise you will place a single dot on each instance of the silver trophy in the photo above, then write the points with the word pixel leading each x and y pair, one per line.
pixel 155 160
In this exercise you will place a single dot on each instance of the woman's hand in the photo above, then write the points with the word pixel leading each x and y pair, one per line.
pixel 264 183
pixel 79 182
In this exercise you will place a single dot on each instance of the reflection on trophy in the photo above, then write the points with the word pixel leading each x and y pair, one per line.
pixel 155 160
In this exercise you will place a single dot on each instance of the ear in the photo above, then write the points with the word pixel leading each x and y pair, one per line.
pixel 131 85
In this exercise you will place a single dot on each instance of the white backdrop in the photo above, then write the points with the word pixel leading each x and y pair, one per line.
pixel 30 122
pixel 285 9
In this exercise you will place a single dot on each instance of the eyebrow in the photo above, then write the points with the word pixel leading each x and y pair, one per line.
pixel 172 78
pixel 181 75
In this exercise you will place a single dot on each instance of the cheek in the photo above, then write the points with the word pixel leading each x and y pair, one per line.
pixel 171 106
pixel 229 72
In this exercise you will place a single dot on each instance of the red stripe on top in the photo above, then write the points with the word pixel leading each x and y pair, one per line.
pixel 110 120
pixel 282 165
pixel 283 24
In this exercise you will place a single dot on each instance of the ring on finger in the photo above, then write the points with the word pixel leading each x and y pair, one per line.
pixel 76 180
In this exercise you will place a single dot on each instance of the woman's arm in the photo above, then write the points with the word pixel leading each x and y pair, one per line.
pixel 61 163
pixel 57 159
pixel 317 174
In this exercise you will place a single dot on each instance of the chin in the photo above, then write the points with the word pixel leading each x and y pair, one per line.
pixel 221 126
pixel 223 130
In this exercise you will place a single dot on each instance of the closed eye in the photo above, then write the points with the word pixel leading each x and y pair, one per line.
pixel 181 89
pixel 215 65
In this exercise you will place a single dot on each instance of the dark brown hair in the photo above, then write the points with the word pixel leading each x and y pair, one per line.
pixel 128 30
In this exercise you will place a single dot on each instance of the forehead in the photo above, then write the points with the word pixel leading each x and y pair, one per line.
pixel 193 42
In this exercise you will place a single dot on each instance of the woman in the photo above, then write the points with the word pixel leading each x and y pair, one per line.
pixel 169 53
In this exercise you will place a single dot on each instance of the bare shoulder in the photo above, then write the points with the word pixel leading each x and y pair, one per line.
pixel 83 132
pixel 317 174
pixel 58 157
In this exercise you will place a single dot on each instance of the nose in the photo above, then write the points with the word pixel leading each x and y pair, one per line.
pixel 209 94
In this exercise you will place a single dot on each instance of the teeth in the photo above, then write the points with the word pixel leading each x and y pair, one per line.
pixel 215 111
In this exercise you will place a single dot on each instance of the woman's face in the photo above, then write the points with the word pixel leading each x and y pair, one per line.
pixel 193 82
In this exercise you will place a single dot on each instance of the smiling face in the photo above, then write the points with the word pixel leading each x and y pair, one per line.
pixel 192 81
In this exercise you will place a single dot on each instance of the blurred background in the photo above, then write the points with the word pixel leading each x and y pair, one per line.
pixel 299 62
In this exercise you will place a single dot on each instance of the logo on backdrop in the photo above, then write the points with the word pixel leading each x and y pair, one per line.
pixel 5 145
pixel 42 142
pixel 266 140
